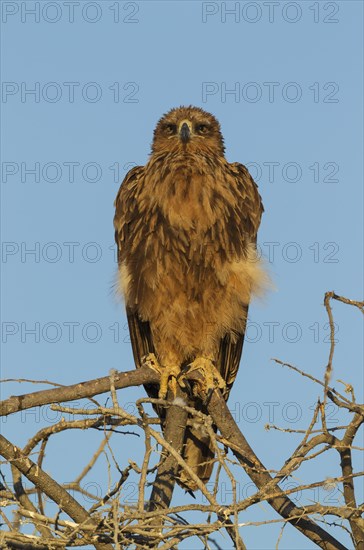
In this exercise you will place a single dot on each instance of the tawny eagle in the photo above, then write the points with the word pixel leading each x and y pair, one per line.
pixel 186 225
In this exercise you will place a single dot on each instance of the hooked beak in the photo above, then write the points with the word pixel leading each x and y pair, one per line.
pixel 185 132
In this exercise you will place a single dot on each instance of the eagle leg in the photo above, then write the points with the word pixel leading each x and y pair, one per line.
pixel 168 374
pixel 212 379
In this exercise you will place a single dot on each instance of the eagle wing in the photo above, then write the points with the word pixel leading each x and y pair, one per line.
pixel 247 215
pixel 126 212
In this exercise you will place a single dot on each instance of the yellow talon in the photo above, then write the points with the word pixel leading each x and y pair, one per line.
pixel 151 361
pixel 166 373
pixel 212 379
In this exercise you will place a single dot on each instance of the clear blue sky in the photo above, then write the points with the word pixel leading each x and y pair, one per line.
pixel 285 82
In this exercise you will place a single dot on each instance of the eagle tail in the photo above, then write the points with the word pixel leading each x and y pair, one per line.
pixel 199 454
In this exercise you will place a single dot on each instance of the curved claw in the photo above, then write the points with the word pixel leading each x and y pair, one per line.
pixel 212 379
pixel 168 373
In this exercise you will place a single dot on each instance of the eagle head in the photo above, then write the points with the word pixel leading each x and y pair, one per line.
pixel 188 129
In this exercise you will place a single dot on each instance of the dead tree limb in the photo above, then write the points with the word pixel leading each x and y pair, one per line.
pixel 174 431
pixel 88 388
pixel 50 487
pixel 228 428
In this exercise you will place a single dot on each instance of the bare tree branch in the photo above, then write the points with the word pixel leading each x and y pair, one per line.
pixel 50 487
pixel 114 523
pixel 89 388
pixel 257 472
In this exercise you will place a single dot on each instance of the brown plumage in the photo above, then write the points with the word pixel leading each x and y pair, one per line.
pixel 186 226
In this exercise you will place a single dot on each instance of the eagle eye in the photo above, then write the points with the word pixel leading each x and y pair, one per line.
pixel 202 129
pixel 171 129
